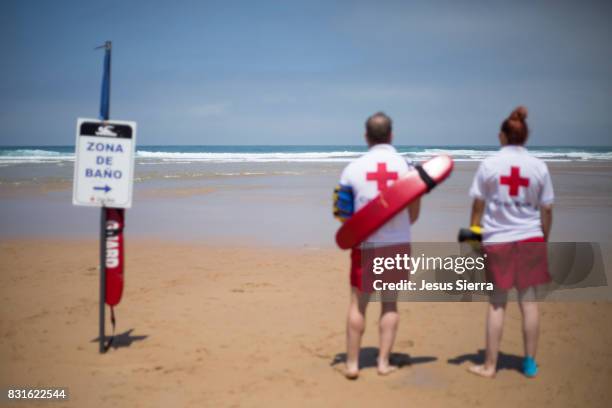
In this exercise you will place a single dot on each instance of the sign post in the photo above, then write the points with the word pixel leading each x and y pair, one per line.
pixel 104 177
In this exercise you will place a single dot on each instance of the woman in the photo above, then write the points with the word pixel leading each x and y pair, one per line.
pixel 513 197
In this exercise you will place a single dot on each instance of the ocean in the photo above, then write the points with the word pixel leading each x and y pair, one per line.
pixel 265 154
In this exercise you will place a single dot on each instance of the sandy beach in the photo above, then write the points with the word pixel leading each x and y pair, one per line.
pixel 230 326
pixel 253 313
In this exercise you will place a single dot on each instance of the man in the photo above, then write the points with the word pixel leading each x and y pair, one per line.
pixel 361 181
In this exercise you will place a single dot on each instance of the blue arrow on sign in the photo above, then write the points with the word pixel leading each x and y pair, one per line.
pixel 106 188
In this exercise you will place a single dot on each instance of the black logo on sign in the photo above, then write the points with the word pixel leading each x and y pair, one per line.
pixel 107 129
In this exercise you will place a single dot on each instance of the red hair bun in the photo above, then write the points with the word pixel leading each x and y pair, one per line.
pixel 519 113
pixel 515 126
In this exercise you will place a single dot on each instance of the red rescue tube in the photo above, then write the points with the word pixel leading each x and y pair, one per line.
pixel 392 200
pixel 114 255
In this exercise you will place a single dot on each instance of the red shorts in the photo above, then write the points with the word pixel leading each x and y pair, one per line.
pixel 362 275
pixel 519 264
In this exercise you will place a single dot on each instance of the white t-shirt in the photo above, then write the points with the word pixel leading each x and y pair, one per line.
pixel 368 175
pixel 513 184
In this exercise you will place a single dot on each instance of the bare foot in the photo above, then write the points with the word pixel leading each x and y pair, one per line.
pixel 384 368
pixel 482 371
pixel 351 371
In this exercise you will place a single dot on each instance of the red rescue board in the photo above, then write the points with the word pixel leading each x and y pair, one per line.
pixel 114 255
pixel 391 201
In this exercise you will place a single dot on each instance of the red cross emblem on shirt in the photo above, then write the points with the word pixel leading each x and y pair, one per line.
pixel 514 181
pixel 381 176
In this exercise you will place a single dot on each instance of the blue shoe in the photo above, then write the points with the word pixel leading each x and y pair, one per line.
pixel 530 368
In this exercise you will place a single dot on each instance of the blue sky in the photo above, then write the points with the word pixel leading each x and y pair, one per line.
pixel 254 72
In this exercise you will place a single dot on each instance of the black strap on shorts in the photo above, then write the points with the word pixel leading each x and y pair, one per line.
pixel 429 182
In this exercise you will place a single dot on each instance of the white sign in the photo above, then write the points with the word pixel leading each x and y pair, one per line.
pixel 104 165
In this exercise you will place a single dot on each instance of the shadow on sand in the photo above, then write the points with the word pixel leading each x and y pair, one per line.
pixel 368 356
pixel 124 339
pixel 504 361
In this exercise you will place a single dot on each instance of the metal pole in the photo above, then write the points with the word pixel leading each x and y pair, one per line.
pixel 102 277
pixel 104 115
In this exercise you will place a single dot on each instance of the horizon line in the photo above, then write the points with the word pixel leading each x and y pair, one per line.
pixel 315 145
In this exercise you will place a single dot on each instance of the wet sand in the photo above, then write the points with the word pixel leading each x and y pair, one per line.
pixel 286 205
